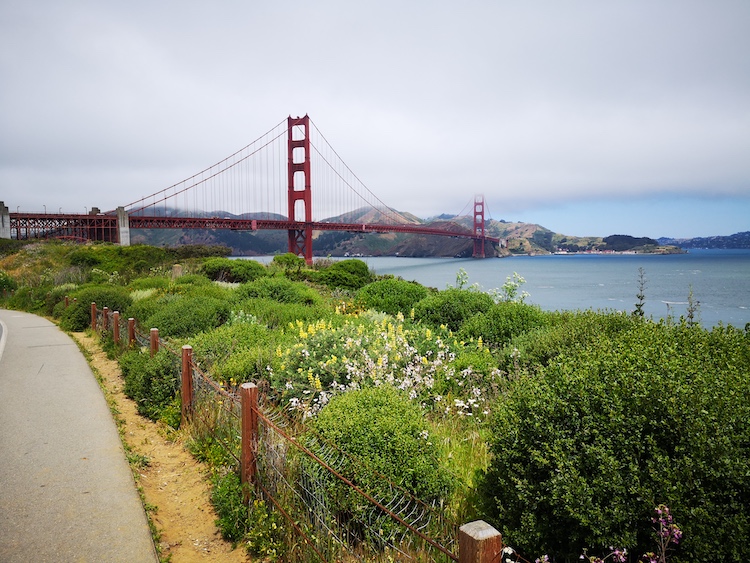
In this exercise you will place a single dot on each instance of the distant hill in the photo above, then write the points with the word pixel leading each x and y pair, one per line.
pixel 516 238
pixel 737 240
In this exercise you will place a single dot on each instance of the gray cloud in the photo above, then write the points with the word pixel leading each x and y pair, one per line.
pixel 428 102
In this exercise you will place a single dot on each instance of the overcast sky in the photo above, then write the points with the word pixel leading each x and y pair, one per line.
pixel 587 117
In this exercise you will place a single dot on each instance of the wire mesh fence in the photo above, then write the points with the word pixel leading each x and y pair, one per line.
pixel 336 508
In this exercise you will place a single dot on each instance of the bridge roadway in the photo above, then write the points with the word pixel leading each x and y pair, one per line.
pixel 138 222
pixel 110 227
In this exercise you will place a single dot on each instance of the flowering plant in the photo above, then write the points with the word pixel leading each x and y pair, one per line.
pixel 329 359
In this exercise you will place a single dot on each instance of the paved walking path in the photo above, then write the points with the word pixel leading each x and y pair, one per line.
pixel 66 490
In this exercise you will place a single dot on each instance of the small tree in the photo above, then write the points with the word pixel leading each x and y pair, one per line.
pixel 290 262
pixel 692 310
pixel 640 296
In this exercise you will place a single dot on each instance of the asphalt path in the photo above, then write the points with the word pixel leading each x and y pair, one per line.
pixel 66 490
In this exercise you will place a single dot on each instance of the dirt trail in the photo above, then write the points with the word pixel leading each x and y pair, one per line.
pixel 173 481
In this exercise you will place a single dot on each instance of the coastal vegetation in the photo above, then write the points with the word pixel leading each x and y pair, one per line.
pixel 564 430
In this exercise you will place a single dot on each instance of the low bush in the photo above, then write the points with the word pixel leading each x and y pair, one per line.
pixel 152 382
pixel 77 316
pixel 563 331
pixel 7 283
pixel 278 315
pixel 391 295
pixel 153 282
pixel 56 296
pixel 279 289
pixel 187 315
pixel 238 271
pixel 235 353
pixel 594 440
pixel 231 511
pixel 452 307
pixel 386 436
pixel 503 322
pixel 346 274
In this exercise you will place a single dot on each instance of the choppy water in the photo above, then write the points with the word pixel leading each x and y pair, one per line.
pixel 720 280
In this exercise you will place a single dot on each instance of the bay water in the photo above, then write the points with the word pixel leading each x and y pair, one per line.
pixel 719 280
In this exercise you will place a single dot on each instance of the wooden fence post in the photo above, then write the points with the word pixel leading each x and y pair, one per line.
pixel 105 319
pixel 154 341
pixel 93 316
pixel 187 383
pixel 116 327
pixel 478 542
pixel 249 403
pixel 131 332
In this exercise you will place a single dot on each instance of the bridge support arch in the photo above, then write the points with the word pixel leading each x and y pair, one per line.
pixel 123 227
pixel 4 220
pixel 299 192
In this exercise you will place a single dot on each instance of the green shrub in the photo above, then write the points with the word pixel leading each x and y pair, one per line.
pixel 231 511
pixel 391 295
pixel 7 283
pixel 152 382
pixel 193 280
pixel 503 322
pixel 279 289
pixel 77 316
pixel 28 298
pixel 234 353
pixel 239 271
pixel 259 528
pixel 289 262
pixel 152 282
pixel 187 315
pixel 565 331
pixel 594 440
pixel 56 296
pixel 452 307
pixel 386 435
pixel 278 315
pixel 347 274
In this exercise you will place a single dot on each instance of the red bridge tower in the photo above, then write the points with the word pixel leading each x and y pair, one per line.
pixel 300 240
pixel 478 227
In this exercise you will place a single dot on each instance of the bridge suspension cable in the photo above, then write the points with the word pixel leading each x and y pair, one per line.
pixel 354 193
pixel 230 184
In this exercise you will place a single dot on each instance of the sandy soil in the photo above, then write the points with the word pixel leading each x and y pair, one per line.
pixel 173 482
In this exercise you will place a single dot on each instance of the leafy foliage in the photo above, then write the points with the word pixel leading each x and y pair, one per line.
pixel 231 511
pixel 279 289
pixel 234 353
pixel 594 440
pixel 387 437
pixel 347 274
pixel 503 322
pixel 391 295
pixel 564 332
pixel 452 307
pixel 152 382
pixel 187 315
pixel 289 262
pixel 274 314
pixel 77 316
pixel 239 271
pixel 326 359
pixel 7 283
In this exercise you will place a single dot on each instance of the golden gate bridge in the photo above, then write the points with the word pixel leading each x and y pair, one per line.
pixel 276 174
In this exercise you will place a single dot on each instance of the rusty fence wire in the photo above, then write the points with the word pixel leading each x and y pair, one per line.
pixel 335 507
